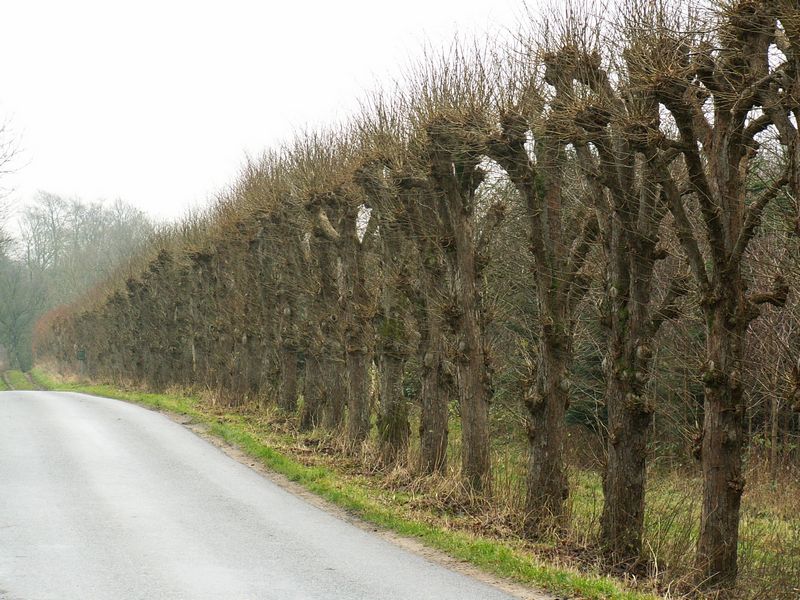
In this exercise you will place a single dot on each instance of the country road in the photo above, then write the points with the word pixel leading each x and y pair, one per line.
pixel 103 500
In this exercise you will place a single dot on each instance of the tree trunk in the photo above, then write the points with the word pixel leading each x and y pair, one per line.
pixel 723 434
pixel 547 401
pixel 630 414
pixel 334 391
pixel 434 396
pixel 287 399
pixel 357 308
pixel 328 363
pixel 472 377
pixel 392 346
pixel 629 419
pixel 357 397
pixel 547 479
pixel 393 423
pixel 474 395
pixel 455 179
pixel 313 394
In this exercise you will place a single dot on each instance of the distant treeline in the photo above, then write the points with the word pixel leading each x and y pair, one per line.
pixel 63 247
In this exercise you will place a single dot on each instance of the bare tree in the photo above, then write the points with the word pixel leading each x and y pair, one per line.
pixel 602 125
pixel 392 336
pixel 449 105
pixel 538 175
pixel 721 91
pixel 9 149
pixel 23 297
pixel 633 165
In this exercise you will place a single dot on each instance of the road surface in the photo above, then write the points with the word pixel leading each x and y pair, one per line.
pixel 104 500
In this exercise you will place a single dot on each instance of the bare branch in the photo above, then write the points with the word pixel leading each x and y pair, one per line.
pixel 669 308
pixel 684 229
pixel 753 217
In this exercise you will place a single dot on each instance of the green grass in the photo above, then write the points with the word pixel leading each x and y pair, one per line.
pixel 503 558
pixel 3 386
pixel 18 381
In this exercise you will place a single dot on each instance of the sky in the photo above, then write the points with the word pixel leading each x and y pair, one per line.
pixel 160 102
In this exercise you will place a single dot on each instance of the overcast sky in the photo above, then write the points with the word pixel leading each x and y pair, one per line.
pixel 158 102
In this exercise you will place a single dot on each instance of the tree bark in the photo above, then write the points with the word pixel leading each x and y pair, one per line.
pixel 630 412
pixel 287 399
pixel 392 349
pixel 358 422
pixel 313 394
pixel 538 177
pixel 434 393
pixel 391 346
pixel 723 436
pixel 472 378
pixel 455 177
pixel 393 425
pixel 547 486
pixel 629 420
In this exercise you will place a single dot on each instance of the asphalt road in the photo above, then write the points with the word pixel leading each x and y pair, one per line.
pixel 103 500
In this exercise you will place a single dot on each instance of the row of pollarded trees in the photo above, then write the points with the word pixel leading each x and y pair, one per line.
pixel 640 152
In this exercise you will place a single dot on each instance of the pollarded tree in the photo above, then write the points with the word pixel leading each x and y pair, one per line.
pixel 325 386
pixel 282 270
pixel 358 238
pixel 309 165
pixel 392 346
pixel 425 287
pixel 344 233
pixel 604 126
pixel 414 272
pixel 530 147
pixel 425 184
pixel 449 104
pixel 722 91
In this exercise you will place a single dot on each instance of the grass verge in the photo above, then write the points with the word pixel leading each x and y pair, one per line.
pixel 371 503
pixel 18 381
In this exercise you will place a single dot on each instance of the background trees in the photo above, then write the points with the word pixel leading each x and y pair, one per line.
pixel 64 248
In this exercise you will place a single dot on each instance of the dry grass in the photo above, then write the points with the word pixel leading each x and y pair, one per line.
pixel 770 528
